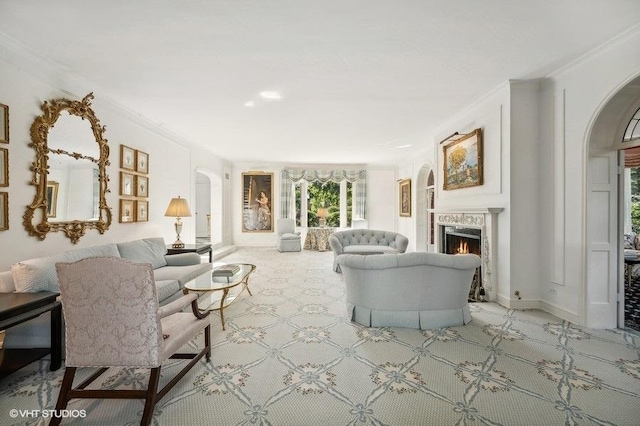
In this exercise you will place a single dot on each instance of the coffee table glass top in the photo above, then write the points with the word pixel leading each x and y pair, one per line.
pixel 211 283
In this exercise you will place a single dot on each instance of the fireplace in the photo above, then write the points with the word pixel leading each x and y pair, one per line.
pixel 463 240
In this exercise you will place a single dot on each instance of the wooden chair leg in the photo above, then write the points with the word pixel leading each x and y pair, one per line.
pixel 207 341
pixel 63 398
pixel 150 400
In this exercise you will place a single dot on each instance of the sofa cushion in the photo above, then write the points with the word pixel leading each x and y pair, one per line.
pixel 33 275
pixel 182 274
pixel 368 249
pixel 166 289
pixel 147 250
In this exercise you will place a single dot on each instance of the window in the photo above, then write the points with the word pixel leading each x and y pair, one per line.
pixel 323 196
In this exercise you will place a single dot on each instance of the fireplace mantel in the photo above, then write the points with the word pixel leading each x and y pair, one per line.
pixel 484 219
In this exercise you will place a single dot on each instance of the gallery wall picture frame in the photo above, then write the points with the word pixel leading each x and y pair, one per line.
pixel 127 211
pixel 404 191
pixel 142 162
pixel 4 167
pixel 257 195
pixel 142 211
pixel 142 186
pixel 463 161
pixel 52 198
pixel 127 158
pixel 127 184
pixel 4 211
pixel 4 123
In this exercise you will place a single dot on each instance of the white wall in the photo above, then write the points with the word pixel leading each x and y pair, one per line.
pixel 24 85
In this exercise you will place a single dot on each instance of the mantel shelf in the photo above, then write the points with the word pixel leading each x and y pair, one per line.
pixel 470 210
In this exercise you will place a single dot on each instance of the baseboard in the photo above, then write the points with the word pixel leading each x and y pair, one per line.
pixel 519 303
pixel 539 304
pixel 561 313
pixel 223 251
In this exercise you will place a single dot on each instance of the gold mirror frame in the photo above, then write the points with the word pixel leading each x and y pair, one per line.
pixel 40 128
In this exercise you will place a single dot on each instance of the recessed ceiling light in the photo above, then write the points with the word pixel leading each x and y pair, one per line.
pixel 250 104
pixel 403 146
pixel 270 95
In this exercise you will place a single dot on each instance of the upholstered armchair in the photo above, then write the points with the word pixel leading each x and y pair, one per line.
pixel 288 238
pixel 112 319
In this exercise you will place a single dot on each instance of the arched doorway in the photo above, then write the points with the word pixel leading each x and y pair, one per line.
pixel 424 209
pixel 604 301
pixel 208 207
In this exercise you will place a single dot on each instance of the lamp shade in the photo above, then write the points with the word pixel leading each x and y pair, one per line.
pixel 322 212
pixel 178 207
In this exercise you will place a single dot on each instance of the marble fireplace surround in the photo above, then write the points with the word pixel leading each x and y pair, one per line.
pixel 485 219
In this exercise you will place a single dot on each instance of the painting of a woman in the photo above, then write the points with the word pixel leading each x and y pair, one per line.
pixel 256 202
pixel 264 211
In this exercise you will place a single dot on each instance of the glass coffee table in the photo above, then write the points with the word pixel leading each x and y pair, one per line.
pixel 209 287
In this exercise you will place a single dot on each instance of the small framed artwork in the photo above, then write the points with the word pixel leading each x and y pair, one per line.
pixel 142 186
pixel 127 184
pixel 52 198
pixel 4 123
pixel 463 161
pixel 127 211
pixel 4 167
pixel 405 197
pixel 142 211
pixel 257 193
pixel 4 211
pixel 127 158
pixel 142 162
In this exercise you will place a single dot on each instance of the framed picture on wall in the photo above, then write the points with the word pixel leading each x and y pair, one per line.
pixel 142 162
pixel 4 123
pixel 142 211
pixel 257 195
pixel 463 161
pixel 52 198
pixel 405 197
pixel 127 184
pixel 127 158
pixel 142 186
pixel 127 211
pixel 4 211
pixel 4 167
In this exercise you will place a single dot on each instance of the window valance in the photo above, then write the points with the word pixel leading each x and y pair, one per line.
pixel 324 176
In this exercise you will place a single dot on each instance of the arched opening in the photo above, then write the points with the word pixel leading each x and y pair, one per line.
pixel 424 209
pixel 208 208
pixel 605 301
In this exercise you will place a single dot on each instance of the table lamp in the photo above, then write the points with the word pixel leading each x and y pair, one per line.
pixel 178 208
pixel 322 214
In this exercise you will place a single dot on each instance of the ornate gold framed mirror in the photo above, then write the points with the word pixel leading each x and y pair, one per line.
pixel 69 172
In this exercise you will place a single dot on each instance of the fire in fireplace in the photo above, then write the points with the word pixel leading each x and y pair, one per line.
pixel 460 240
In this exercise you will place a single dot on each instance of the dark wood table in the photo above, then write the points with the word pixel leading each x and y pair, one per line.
pixel 192 248
pixel 16 308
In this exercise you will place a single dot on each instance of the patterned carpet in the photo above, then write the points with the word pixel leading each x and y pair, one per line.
pixel 290 356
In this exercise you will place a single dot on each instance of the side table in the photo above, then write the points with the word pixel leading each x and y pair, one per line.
pixel 192 248
pixel 16 308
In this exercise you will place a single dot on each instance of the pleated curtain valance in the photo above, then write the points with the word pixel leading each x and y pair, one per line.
pixel 324 176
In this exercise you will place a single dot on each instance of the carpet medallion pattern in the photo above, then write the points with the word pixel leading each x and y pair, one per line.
pixel 290 356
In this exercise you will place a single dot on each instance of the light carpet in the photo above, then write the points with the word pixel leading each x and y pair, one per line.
pixel 290 356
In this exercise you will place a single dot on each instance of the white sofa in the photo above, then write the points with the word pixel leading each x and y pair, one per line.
pixel 171 273
pixel 414 290
pixel 366 241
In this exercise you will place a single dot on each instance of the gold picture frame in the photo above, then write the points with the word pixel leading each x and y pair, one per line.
pixel 4 211
pixel 4 123
pixel 463 161
pixel 127 158
pixel 404 191
pixel 127 211
pixel 142 186
pixel 142 211
pixel 257 194
pixel 142 162
pixel 127 184
pixel 4 167
pixel 52 198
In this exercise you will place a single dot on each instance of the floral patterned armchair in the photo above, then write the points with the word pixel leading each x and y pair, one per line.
pixel 112 319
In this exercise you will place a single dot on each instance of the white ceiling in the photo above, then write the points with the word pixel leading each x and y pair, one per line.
pixel 358 77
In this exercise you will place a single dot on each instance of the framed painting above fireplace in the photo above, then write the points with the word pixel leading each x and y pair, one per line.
pixel 463 161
